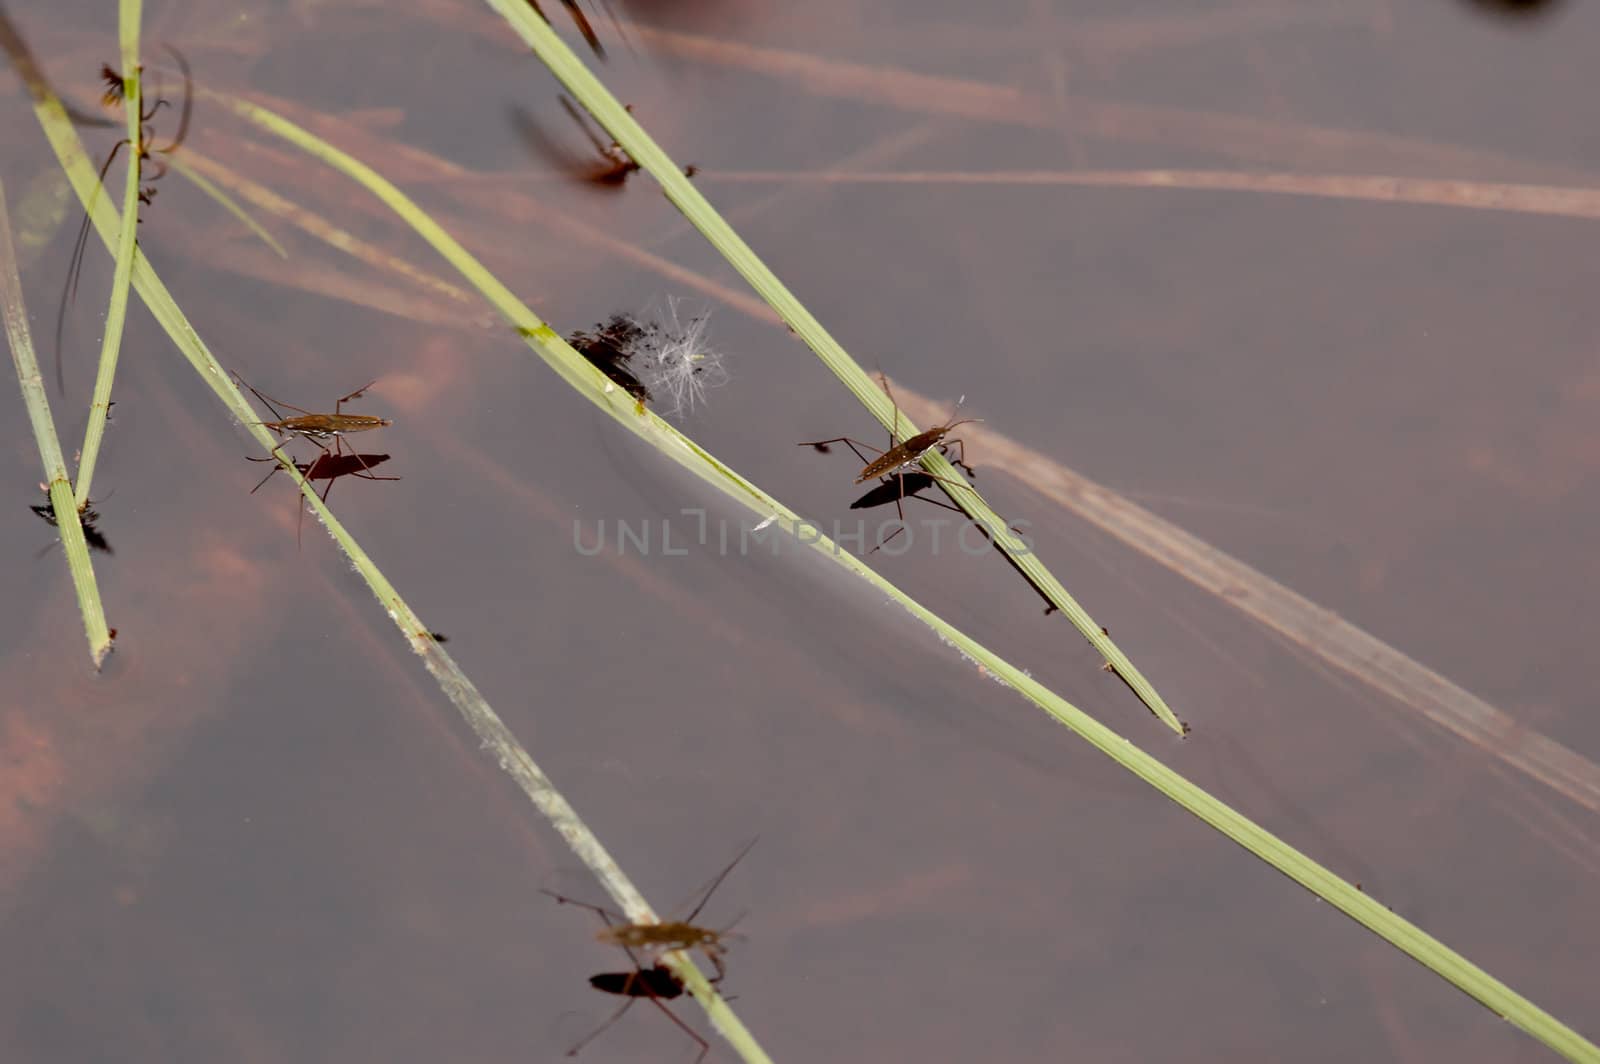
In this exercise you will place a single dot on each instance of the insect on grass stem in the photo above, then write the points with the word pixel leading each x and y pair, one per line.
pixel 893 465
pixel 656 982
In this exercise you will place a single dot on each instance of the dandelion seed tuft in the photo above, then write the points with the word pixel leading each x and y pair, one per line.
pixel 681 367
pixel 665 363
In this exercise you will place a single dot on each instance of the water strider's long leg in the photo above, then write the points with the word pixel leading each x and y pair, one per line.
pixel 338 407
pixel 69 291
pixel 822 445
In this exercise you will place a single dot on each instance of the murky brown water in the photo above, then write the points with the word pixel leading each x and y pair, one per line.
pixel 263 835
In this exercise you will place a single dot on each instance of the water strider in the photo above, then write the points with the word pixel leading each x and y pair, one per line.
pixel 333 462
pixel 657 981
pixel 896 464
pixel 665 936
pixel 318 428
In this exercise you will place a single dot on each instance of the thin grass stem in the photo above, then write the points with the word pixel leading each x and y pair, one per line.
pixel 35 399
pixel 129 13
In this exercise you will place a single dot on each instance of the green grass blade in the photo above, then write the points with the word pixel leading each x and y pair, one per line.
pixel 44 434
pixel 599 102
pixel 116 314
pixel 593 385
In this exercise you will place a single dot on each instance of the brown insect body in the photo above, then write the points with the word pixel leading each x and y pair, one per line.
pixel 660 938
pixel 607 168
pixel 613 171
pixel 326 426
pixel 319 427
pixel 616 164
pixel 903 454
